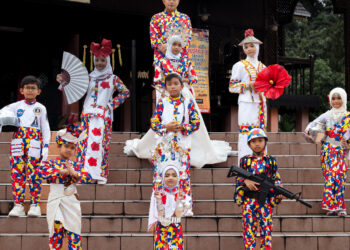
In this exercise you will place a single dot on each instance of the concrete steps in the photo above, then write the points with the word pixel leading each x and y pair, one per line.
pixel 196 224
pixel 115 215
pixel 192 241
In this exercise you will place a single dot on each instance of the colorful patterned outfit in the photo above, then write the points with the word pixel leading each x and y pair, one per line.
pixel 159 27
pixel 168 203
pixel 29 146
pixel 63 208
pixel 251 105
pixel 183 67
pixel 97 117
pixel 166 66
pixel 170 237
pixel 253 212
pixel 184 112
pixel 333 159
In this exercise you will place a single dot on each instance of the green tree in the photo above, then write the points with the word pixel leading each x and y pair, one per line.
pixel 321 35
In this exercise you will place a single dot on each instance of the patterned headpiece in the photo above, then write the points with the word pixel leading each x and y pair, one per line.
pixel 249 38
pixel 178 31
pixel 71 134
pixel 169 154
pixel 256 133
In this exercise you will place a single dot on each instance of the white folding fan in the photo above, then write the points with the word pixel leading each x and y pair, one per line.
pixel 75 78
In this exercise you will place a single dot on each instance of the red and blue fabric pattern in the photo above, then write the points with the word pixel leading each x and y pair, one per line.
pixel 49 171
pixel 166 66
pixel 334 167
pixel 253 212
pixel 56 241
pixel 170 237
pixel 159 27
pixel 25 152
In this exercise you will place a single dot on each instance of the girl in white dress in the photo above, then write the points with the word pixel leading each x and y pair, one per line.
pixel 203 150
pixel 251 104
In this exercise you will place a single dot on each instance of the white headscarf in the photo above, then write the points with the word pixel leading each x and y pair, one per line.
pixel 254 60
pixel 337 114
pixel 97 74
pixel 169 54
pixel 170 204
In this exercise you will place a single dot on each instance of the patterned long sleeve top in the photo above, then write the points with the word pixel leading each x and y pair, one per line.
pixel 159 26
pixel 266 164
pixel 99 99
pixel 183 67
pixel 49 171
pixel 176 110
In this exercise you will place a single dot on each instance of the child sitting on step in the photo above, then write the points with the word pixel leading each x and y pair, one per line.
pixel 335 124
pixel 246 194
pixel 63 207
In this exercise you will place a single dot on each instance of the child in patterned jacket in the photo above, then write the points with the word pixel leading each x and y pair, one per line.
pixel 29 146
pixel 247 191
pixel 175 119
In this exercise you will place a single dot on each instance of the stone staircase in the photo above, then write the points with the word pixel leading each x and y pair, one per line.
pixel 115 215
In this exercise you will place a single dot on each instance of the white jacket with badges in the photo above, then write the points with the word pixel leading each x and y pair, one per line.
pixel 33 115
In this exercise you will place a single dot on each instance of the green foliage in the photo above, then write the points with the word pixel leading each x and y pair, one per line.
pixel 322 35
pixel 287 122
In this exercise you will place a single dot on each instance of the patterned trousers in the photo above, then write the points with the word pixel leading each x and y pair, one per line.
pixel 25 154
pixel 56 240
pixel 334 173
pixel 166 238
pixel 252 214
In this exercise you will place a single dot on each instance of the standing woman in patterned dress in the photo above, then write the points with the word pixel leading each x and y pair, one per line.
pixel 160 24
pixel 251 104
pixel 97 114
pixel 334 151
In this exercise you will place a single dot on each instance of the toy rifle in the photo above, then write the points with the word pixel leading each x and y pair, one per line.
pixel 266 184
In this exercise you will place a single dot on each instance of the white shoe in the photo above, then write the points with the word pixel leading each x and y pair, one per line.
pixel 34 211
pixel 102 182
pixel 17 211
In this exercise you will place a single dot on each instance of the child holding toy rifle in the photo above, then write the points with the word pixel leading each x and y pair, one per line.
pixel 258 190
pixel 255 210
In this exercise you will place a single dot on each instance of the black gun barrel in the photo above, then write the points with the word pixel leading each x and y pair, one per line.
pixel 236 171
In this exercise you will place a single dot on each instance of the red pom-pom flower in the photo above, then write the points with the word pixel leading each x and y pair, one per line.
pixel 272 81
pixel 248 32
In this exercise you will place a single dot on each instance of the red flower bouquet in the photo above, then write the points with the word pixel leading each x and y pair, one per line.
pixel 272 81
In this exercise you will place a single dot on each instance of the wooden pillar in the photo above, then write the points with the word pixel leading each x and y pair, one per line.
pixel 302 119
pixel 270 46
pixel 231 124
pixel 126 116
pixel 73 48
pixel 272 125
pixel 347 48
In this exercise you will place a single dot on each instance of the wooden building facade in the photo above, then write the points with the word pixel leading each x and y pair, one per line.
pixel 32 48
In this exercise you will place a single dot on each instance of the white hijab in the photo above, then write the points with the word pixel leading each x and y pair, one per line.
pixel 337 114
pixel 169 54
pixel 170 204
pixel 254 60
pixel 97 74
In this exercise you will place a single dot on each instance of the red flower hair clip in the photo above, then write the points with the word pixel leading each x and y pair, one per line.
pixel 248 32
pixel 101 50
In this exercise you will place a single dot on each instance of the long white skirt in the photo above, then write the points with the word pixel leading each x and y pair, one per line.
pixel 203 150
pixel 250 115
